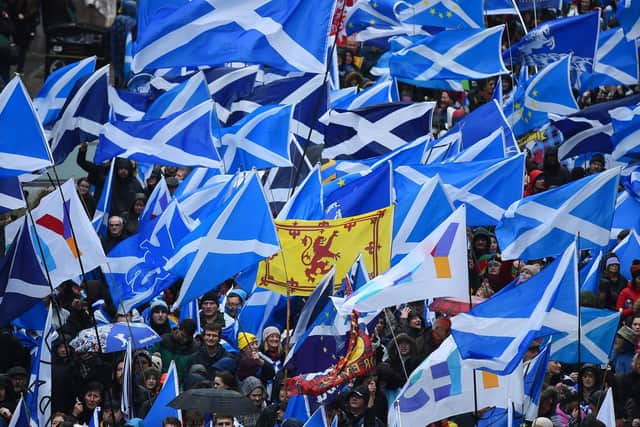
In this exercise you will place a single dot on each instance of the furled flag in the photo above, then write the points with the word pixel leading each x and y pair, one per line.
pixel 590 273
pixel 23 147
pixel 419 210
pixel 376 130
pixel 127 392
pixel 626 128
pixel 259 140
pixel 100 218
pixel 487 187
pixel 272 32
pixel 436 267
pixel 546 224
pixel 160 409
pixel 627 250
pixel 233 237
pixel 443 386
pixel 83 115
pixel 56 89
pixel 495 335
pixel 11 195
pixel 628 14
pixel 184 96
pixel 128 56
pixel 308 200
pixel 597 331
pixel 454 54
pixel 182 139
pixel 606 414
pixel 546 43
pixel 39 392
pixel 616 61
pixel 20 417
pixel 456 14
pixel 63 248
pixel 534 375
pixel 548 91
pixel 311 248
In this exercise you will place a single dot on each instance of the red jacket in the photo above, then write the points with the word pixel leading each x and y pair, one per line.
pixel 626 298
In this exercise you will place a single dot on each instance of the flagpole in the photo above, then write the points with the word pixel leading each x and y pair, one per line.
pixel 476 417
pixel 580 391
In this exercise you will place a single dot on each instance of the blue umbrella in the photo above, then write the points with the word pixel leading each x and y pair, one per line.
pixel 114 337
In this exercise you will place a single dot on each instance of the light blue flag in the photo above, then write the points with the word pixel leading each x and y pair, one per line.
pixel 489 148
pixel 315 304
pixel 495 335
pixel 630 180
pixel 455 55
pixel 23 147
pixel 20 417
pixel 371 13
pixel 616 61
pixel 546 224
pixel 204 200
pixel 382 92
pixel 590 273
pixel 182 139
pixel 183 96
pixel 191 311
pixel 259 140
pixel 298 408
pixel 83 116
pixel 499 7
pixel 274 33
pixel 128 56
pixel 443 149
pixel 197 179
pixel 355 278
pixel 11 195
pixel 258 311
pixel 488 188
pixel 308 200
pixel 627 250
pixel 546 43
pixel 626 128
pixel 624 217
pixel 234 237
pixel 100 218
pixel 598 330
pixel 317 419
pixel 533 383
pixel 628 14
pixel 457 14
pixel 419 210
pixel 158 202
pixel 160 409
pixel 53 94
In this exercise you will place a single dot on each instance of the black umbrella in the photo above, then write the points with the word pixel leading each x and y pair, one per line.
pixel 214 401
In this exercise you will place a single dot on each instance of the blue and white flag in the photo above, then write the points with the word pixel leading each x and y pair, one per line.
pixel 257 312
pixel 458 14
pixel 382 92
pixel 616 61
pixel 495 335
pixel 53 94
pixel 182 139
pixel 626 128
pixel 268 32
pixel 371 13
pixel 628 14
pixel 23 147
pixel 128 386
pixel 39 391
pixel 158 202
pixel 624 217
pixel 419 210
pixel 489 148
pixel 22 279
pixel 597 332
pixel 376 130
pixel 259 140
pixel 455 55
pixel 630 180
pixel 499 7
pixel 100 218
pixel 318 418
pixel 199 178
pixel 127 105
pixel 590 273
pixel 20 417
pixel 298 408
pixel 95 418
pixel 488 188
pixel 443 149
pixel 308 200
pixel 183 96
pixel 11 195
pixel 235 236
pixel 546 43
pixel 83 116
pixel 534 374
pixel 546 224
pixel 315 304
pixel 191 311
pixel 160 409
pixel 627 250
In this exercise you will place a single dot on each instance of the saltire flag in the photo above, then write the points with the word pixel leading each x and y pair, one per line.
pixel 451 55
pixel 298 408
pixel 33 319
pixel 128 56
pixel 371 13
pixel 616 61
pixel 499 7
pixel 606 414
pixel 269 32
pixel 546 43
pixel 20 417
pixel 149 10
pixel 217 190
pixel 548 91
pixel 624 216
pixel 419 210
pixel 590 130
pixel 39 392
pixel 590 273
pixel 376 130
pixel 259 140
pixel 11 195
pixel 626 128
pixel 627 250
pixel 308 200
pixel 160 409
pixel 489 148
pixel 199 178
pixel 100 218
pixel 630 180
pixel 628 14
pixel 23 147
pixel 534 373
pixel 457 14
pixel 83 115
pixel 181 139
pixel 488 187
pixel 191 311
pixel 184 96
pixel 63 250
pixel 233 237
pixel 442 149
pixel 382 92
pixel 495 335
pixel 318 418
pixel 546 224
pixel 356 277
pixel 127 105
pixel 159 200
pixel 53 94
pixel 315 304
pixel 436 267
pixel 443 386
pixel 311 248
pixel 597 331
pixel 128 390
pixel 258 311
pixel 398 40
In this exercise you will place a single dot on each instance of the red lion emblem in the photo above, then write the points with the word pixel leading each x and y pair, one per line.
pixel 317 255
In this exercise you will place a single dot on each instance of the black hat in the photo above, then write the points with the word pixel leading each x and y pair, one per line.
pixel 597 158
pixel 172 182
pixel 361 391
pixel 210 296
pixel 17 370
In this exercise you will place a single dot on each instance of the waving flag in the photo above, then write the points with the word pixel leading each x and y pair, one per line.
pixel 268 32
pixel 100 218
pixel 23 147
pixel 160 409
pixel 487 187
pixel 627 250
pixel 158 201
pixel 83 116
pixel 456 14
pixel 199 178
pixel 20 417
pixel 183 96
pixel 628 15
pixel 456 55
pixel 371 13
pixel 308 200
pixel 499 7
pixel 182 139
pixel 630 180
pixel 534 374
pixel 495 335
pixel 11 195
pixel 56 89
pixel 590 273
pixel 315 304
pixel 545 224
pixel 491 147
pixel 606 413
pixel 624 216
pixel 382 92
pixel 616 61
pixel 127 105
pixel 258 311
pixel 238 234
pixel 39 392
pixel 626 128
pixel 375 130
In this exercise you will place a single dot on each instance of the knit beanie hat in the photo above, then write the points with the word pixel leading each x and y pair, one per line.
pixel 268 331
pixel 250 384
pixel 158 305
pixel 210 296
pixel 244 339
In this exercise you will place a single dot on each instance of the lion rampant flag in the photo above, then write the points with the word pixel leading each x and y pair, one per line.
pixel 311 248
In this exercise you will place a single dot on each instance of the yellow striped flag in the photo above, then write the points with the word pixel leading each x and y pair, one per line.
pixel 311 248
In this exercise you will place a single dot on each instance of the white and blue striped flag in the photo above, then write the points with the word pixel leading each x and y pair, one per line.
pixel 184 96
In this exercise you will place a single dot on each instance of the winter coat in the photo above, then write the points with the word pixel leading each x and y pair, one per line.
pixel 626 298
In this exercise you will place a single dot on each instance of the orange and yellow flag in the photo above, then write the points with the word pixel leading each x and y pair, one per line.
pixel 311 248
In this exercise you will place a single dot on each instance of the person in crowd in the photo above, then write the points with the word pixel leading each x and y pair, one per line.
pixel 210 351
pixel 590 377
pixel 555 174
pixel 97 174
pixel 146 391
pixel 623 350
pixel 210 310
pixel 611 283
pixel 83 187
pixel 172 184
pixel 159 317
pixel 358 409
pixel 234 303
pixel 178 346
pixel 18 378
pixel 132 216
pixel 173 422
pixel 380 337
pixel 225 380
pixel 116 233
pixel 482 94
pixel 111 415
pixel 253 388
pixel 91 398
pixel 536 184
pixel 152 181
pixel 223 421
pixel 403 357
pixel 124 187
pixel 250 363
pixel 629 295
pixel 596 164
pixel 568 408
pixel 635 327
pixel 527 272
pixel 439 120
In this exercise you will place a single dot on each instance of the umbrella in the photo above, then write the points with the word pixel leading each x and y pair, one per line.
pixel 114 337
pixel 214 401
pixel 453 306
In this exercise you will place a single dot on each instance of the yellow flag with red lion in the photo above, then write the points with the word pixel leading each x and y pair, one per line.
pixel 311 248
